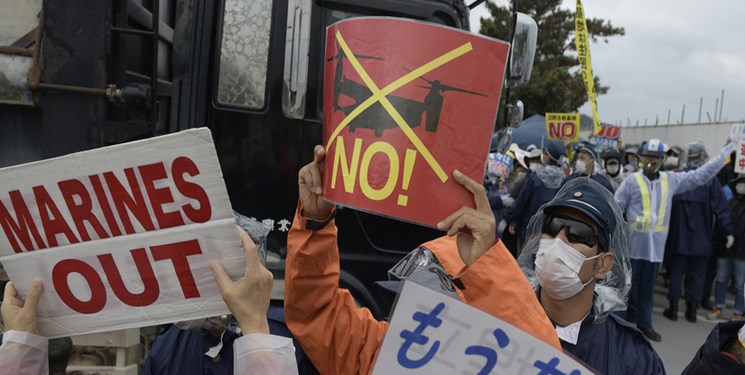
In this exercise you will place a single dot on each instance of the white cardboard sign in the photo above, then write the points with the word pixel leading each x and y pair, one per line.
pixel 737 133
pixel 432 333
pixel 120 236
pixel 740 156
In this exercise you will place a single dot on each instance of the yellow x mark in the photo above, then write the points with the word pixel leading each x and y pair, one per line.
pixel 381 96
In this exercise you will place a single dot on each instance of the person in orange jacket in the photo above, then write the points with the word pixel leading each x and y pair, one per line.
pixel 341 338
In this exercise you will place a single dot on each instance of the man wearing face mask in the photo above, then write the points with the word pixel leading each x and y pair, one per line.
pixel 645 197
pixel 672 161
pixel 630 159
pixel 584 166
pixel 689 241
pixel 540 187
pixel 576 259
pixel 612 167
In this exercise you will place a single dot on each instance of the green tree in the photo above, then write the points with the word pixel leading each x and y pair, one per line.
pixel 555 83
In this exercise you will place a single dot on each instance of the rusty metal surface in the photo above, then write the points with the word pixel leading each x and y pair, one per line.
pixel 10 50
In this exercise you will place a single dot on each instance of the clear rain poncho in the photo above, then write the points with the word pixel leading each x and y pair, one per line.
pixel 611 292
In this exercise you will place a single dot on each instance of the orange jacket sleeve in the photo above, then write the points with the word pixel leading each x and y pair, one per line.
pixel 495 284
pixel 337 336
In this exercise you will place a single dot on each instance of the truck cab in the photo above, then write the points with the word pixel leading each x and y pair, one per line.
pixel 81 75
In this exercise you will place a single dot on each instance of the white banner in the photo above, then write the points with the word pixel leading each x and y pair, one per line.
pixel 431 333
pixel 737 133
pixel 740 156
pixel 120 236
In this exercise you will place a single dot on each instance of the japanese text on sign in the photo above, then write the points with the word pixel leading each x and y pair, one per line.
pixel 740 157
pixel 562 126
pixel 498 164
pixel 737 133
pixel 431 333
pixel 608 137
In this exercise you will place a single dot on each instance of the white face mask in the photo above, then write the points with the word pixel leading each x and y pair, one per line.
pixel 580 166
pixel 740 188
pixel 612 168
pixel 557 266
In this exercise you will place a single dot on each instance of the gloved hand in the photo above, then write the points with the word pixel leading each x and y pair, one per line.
pixel 507 200
pixel 726 150
pixel 730 241
pixel 500 227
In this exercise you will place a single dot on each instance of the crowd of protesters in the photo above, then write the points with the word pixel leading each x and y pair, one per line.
pixel 590 231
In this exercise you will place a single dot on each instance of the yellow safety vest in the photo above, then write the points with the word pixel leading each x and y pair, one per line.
pixel 644 223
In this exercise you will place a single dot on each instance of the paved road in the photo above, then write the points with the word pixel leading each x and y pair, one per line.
pixel 681 339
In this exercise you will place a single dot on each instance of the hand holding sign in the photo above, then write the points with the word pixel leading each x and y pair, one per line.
pixel 310 184
pixel 19 315
pixel 248 297
pixel 475 227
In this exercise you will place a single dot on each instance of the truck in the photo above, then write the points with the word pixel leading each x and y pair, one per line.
pixel 78 75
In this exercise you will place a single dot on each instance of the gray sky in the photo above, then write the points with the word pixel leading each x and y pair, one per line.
pixel 674 52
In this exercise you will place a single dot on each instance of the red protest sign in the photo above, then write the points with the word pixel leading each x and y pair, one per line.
pixel 406 103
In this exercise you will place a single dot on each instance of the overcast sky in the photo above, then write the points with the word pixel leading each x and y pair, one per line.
pixel 674 52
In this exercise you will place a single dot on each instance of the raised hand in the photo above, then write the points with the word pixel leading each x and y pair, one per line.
pixel 248 297
pixel 475 228
pixel 310 185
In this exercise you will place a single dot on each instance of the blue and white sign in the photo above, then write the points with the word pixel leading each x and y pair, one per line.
pixel 498 164
pixel 737 133
pixel 431 333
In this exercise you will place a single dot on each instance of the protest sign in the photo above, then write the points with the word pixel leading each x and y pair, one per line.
pixel 120 236
pixel 432 333
pixel 498 164
pixel 740 156
pixel 737 133
pixel 562 126
pixel 405 104
pixel 608 137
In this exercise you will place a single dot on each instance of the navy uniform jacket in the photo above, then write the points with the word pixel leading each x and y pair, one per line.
pixel 737 209
pixel 691 219
pixel 709 358
pixel 602 180
pixel 614 347
pixel 177 351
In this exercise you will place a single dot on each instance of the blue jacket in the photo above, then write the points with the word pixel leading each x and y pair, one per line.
pixel 540 187
pixel 177 351
pixel 495 201
pixel 614 347
pixel 602 180
pixel 692 219
pixel 709 358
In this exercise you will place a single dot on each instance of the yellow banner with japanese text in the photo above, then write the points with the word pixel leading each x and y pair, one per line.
pixel 585 62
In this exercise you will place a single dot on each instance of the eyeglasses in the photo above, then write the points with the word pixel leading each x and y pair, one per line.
pixel 576 231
